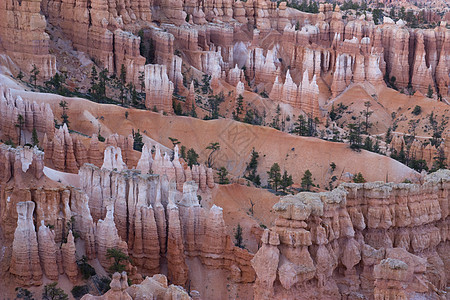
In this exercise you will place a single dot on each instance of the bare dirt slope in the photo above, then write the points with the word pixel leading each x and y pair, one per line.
pixel 293 153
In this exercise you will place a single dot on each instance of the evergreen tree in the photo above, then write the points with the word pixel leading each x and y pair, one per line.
pixel 367 115
pixel 137 140
pixel 192 157
pixel 34 73
pixel 22 293
pixel 64 116
pixel 119 258
pixel 214 147
pixel 274 176
pixel 193 112
pixel 122 82
pixel 358 178
pixel 239 108
pixel 354 136
pixel 20 75
pixel 430 92
pixel 286 181
pixel 388 137
pixel 301 126
pixel 439 160
pixel 34 137
pixel 223 173
pixel 183 152
pixel 20 123
pixel 307 180
pixel 252 168
pixel 238 237
pixel 141 79
pixel 51 292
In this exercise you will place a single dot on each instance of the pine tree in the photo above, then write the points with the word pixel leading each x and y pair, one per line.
pixel 358 178
pixel 137 140
pixel 214 147
pixel 34 73
pixel 51 292
pixel 64 116
pixel 20 123
pixel 223 173
pixel 430 92
pixel 34 137
pixel 141 79
pixel 252 168
pixel 307 180
pixel 274 176
pixel 301 126
pixel 238 237
pixel 192 157
pixel 286 181
pixel 239 108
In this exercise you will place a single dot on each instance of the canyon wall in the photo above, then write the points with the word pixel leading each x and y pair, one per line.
pixel 23 36
pixel 378 240
pixel 144 215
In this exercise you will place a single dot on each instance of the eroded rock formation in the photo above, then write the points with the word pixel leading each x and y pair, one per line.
pixel 375 239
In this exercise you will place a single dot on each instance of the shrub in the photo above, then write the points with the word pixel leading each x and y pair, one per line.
pixel 79 291
pixel 417 110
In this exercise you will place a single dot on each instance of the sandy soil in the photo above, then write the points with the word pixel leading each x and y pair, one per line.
pixel 236 201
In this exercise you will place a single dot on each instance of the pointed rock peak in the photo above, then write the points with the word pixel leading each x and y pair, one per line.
pixel 158 152
pixel 175 156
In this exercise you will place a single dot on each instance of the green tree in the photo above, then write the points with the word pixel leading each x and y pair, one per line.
pixel 141 79
pixel 223 173
pixel 238 237
pixel 122 83
pixel 64 116
pixel 193 112
pixel 367 115
pixel 34 73
pixel 418 164
pixel 301 126
pixel 214 147
pixel 417 110
pixel 274 176
pixel 358 178
pixel 119 258
pixel 34 137
pixel 332 166
pixel 22 293
pixel 239 108
pixel 79 291
pixel 20 75
pixel 252 168
pixel 439 160
pixel 307 180
pixel 388 137
pixel 137 140
pixel 368 144
pixel 174 141
pixel 430 92
pixel 183 152
pixel 192 157
pixel 177 109
pixel 20 124
pixel 354 136
pixel 286 181
pixel 51 292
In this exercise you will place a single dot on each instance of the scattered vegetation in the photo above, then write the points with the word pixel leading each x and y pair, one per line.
pixel 307 181
pixel 51 292
pixel 79 291
pixel 238 237
pixel 223 173
pixel 119 258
